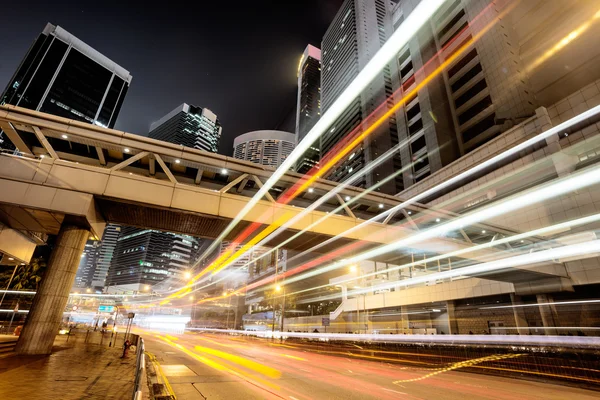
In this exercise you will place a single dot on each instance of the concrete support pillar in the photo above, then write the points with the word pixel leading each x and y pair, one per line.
pixel 51 299
pixel 548 313
pixel 452 321
pixel 403 325
pixel 519 314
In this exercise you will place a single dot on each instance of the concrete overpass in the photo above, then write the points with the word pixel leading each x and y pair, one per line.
pixel 70 178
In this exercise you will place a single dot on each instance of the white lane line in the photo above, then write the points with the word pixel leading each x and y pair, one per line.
pixel 390 390
pixel 293 398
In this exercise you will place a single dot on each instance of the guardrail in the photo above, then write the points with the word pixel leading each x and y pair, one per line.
pixel 140 364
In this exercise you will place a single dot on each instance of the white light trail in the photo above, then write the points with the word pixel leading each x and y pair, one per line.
pixel 568 184
pixel 555 303
pixel 514 238
pixel 513 340
pixel 510 262
pixel 413 22
pixel 466 174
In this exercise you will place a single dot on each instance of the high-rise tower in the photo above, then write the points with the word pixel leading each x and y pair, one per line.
pixel 308 107
pixel 264 147
pixel 357 32
pixel 190 126
pixel 62 75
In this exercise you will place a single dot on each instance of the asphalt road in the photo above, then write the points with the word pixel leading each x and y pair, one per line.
pixel 207 366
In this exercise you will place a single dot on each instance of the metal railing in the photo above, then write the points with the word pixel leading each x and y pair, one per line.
pixel 140 365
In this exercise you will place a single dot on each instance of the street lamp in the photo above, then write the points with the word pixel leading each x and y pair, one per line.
pixel 146 287
pixel 279 288
pixel 187 274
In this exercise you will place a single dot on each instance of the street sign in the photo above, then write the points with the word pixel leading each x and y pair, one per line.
pixel 105 308
pixel 75 308
pixel 130 315
pixel 325 321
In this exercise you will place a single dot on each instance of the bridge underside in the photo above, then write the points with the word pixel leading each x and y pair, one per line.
pixel 200 225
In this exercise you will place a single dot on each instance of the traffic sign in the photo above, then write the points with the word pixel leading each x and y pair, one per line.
pixel 325 321
pixel 75 308
pixel 106 308
pixel 130 315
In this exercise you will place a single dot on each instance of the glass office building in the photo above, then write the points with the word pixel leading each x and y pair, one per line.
pixel 62 75
pixel 308 107
pixel 190 126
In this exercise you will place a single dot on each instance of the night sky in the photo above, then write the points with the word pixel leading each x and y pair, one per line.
pixel 238 58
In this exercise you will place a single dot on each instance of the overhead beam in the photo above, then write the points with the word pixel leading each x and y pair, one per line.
pixel 233 183
pixel 165 169
pixel 198 176
pixel 242 185
pixel 410 220
pixel 465 236
pixel 129 161
pixel 40 135
pixel 151 165
pixel 343 204
pixel 100 153
pixel 14 137
pixel 260 185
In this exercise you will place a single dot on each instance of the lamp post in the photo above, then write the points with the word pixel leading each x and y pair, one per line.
pixel 272 297
pixel 279 289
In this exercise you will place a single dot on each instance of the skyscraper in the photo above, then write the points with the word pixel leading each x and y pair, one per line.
pixel 83 278
pixel 148 257
pixel 308 107
pixel 62 75
pixel 483 91
pixel 105 255
pixel 264 147
pixel 190 126
pixel 357 32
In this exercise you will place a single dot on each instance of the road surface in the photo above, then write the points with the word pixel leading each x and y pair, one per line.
pixel 211 366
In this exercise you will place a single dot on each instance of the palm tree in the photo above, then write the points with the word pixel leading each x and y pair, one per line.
pixel 29 276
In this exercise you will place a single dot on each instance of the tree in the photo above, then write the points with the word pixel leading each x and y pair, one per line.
pixel 28 276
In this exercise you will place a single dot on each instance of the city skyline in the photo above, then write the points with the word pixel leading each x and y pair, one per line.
pixel 270 56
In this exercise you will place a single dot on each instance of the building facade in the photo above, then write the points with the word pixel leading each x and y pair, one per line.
pixel 264 147
pixel 146 257
pixel 357 32
pixel 87 265
pixel 62 75
pixel 308 106
pixel 190 126
pixel 105 255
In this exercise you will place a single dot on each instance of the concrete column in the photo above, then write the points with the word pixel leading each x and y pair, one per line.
pixel 452 322
pixel 519 314
pixel 51 299
pixel 548 313
pixel 403 325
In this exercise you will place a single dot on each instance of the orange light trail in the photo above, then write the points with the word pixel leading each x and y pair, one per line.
pixel 333 158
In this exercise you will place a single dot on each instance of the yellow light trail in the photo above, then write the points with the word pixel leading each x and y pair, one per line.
pixel 360 138
pixel 222 261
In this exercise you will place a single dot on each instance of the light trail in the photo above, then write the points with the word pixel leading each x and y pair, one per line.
pixel 574 34
pixel 513 238
pixel 517 261
pixel 305 182
pixel 554 303
pixel 512 340
pixel 413 22
pixel 226 259
pixel 575 181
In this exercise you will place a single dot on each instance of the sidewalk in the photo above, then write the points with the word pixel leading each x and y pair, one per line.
pixel 74 370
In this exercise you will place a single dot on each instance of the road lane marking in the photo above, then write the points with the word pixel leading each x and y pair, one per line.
pixel 390 390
